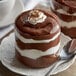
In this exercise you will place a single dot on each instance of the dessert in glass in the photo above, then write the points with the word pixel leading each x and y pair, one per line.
pixel 37 34
pixel 66 11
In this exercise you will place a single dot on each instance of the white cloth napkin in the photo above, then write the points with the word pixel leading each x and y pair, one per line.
pixel 30 4
pixel 6 30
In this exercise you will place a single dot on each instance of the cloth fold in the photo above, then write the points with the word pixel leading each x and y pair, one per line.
pixel 6 30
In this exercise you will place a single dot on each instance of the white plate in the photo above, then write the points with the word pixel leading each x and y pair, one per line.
pixel 7 51
pixel 18 8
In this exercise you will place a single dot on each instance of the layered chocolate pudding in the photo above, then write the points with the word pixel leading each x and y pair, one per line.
pixel 66 10
pixel 37 38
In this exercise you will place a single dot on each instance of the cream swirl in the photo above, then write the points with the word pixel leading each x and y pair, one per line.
pixel 36 16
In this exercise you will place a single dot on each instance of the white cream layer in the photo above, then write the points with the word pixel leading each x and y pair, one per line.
pixel 24 40
pixel 34 54
pixel 68 24
pixel 65 12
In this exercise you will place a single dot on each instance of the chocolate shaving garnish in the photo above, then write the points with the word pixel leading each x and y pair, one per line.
pixel 34 13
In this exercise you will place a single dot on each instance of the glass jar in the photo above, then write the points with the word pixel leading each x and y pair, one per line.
pixel 66 11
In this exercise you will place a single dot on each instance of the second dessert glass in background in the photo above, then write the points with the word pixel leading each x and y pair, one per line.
pixel 66 11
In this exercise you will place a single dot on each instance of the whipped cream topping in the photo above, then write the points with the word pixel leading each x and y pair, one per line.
pixel 24 40
pixel 36 16
pixel 34 54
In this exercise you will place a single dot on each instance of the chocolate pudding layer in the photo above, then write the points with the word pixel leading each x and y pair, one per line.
pixel 71 33
pixel 41 62
pixel 66 10
pixel 37 37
